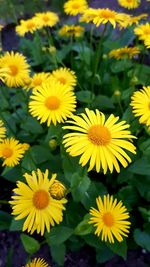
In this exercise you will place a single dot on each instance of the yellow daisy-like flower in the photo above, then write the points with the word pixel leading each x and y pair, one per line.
pixel 2 131
pixel 37 80
pixel 33 201
pixel 26 26
pixel 147 42
pixel 57 190
pixel 18 69
pixel 124 52
pixel 99 142
pixel 71 30
pixel 103 16
pixel 11 151
pixel 110 219
pixel 130 4
pixel 141 105
pixel 37 262
pixel 53 103
pixel 47 19
pixel 65 76
pixel 75 7
pixel 143 31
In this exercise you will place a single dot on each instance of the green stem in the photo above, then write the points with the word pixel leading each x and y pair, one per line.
pixel 97 58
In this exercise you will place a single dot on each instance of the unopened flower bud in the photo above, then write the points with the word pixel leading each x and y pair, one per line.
pixel 53 144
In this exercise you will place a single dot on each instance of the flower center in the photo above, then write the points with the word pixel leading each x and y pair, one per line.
pixel 99 135
pixel 107 14
pixel 129 1
pixel 37 81
pixel 108 219
pixel 7 152
pixel 30 25
pixel 147 31
pixel 45 18
pixel 52 102
pixel 75 5
pixel 13 69
pixel 62 80
pixel 40 199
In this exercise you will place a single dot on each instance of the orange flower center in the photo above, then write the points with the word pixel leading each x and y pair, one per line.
pixel 62 80
pixel 45 18
pixel 52 102
pixel 147 31
pixel 75 5
pixel 99 135
pixel 13 69
pixel 108 219
pixel 7 152
pixel 37 81
pixel 40 199
pixel 30 25
pixel 129 1
pixel 107 14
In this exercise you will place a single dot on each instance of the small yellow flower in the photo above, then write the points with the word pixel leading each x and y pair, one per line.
pixel 130 4
pixel 98 141
pixel 140 103
pixel 27 26
pixel 53 103
pixel 75 7
pixel 65 76
pixel 37 262
pixel 143 31
pixel 110 219
pixel 32 200
pixel 71 30
pixel 17 67
pixel 124 52
pixel 11 151
pixel 37 80
pixel 2 131
pixel 47 19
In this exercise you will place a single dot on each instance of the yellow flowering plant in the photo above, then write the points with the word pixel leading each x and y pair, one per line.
pixel 74 132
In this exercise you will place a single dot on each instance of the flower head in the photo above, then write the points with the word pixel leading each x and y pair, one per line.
pixel 33 201
pixel 74 7
pixel 53 103
pixel 26 26
pixel 57 190
pixel 99 142
pixel 2 131
pixel 143 31
pixel 65 76
pixel 37 80
pixel 71 30
pixel 37 262
pixel 47 19
pixel 140 102
pixel 11 151
pixel 18 69
pixel 110 219
pixel 130 4
pixel 124 52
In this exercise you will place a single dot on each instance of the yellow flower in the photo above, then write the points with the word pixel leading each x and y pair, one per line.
pixel 124 52
pixel 18 69
pixel 147 42
pixel 53 103
pixel 130 4
pixel 26 26
pixel 99 142
pixel 37 262
pixel 71 30
pixel 141 105
pixel 110 219
pixel 33 201
pixel 65 76
pixel 74 7
pixel 103 16
pixel 2 131
pixel 47 19
pixel 143 31
pixel 11 151
pixel 57 190
pixel 37 80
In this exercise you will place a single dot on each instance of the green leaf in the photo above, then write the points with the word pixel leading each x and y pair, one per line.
pixel 16 225
pixel 12 174
pixel 142 239
pixel 94 241
pixel 5 220
pixel 129 196
pixel 79 186
pixel 41 153
pixel 28 162
pixel 30 244
pixel 58 253
pixel 103 255
pixel 32 126
pixel 103 102
pixel 141 166
pixel 84 228
pixel 85 96
pixel 143 188
pixel 119 248
pixel 120 66
pixel 58 235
